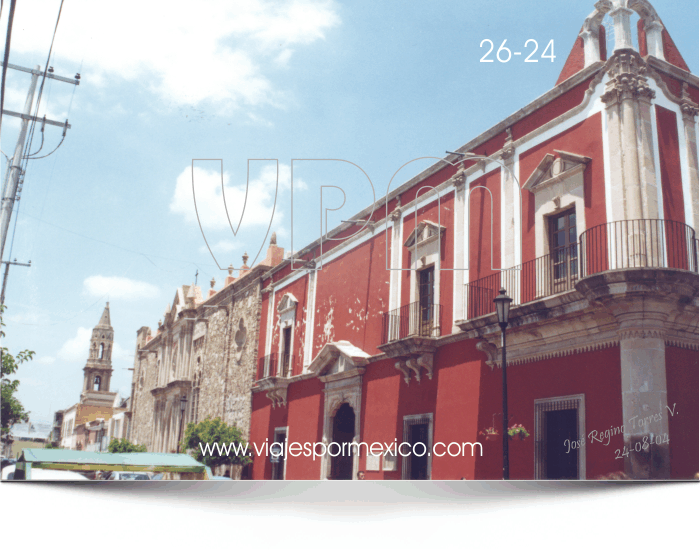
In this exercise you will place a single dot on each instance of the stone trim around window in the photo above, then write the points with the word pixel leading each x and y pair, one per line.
pixel 557 184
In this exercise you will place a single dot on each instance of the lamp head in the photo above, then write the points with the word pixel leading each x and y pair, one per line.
pixel 503 307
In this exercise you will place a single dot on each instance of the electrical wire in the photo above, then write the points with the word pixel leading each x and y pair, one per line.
pixel 50 181
pixel 6 59
pixel 30 138
pixel 52 152
pixel 41 146
pixel 147 256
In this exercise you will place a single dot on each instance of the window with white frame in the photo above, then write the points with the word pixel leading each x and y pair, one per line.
pixel 287 312
pixel 277 457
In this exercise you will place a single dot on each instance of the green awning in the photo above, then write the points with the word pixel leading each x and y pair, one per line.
pixel 83 460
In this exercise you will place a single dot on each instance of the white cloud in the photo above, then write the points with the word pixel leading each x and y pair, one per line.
pixel 223 246
pixel 30 317
pixel 45 360
pixel 214 51
pixel 119 288
pixel 259 202
pixel 77 348
pixel 120 353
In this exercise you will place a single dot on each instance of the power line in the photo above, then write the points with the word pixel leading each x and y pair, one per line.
pixel 30 139
pixel 101 241
pixel 8 39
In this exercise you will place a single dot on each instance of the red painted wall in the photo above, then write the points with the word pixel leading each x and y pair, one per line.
pixel 380 403
pixel 482 249
pixel 585 139
pixel 671 53
pixel 305 418
pixel 594 374
pixel 352 291
pixel 457 409
pixel 682 388
pixel 262 425
pixel 670 165
pixel 551 110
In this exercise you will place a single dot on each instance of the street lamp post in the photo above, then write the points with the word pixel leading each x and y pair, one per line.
pixel 183 406
pixel 503 311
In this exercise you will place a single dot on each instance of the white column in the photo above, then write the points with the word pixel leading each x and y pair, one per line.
pixel 644 402
pixel 655 44
pixel 591 47
pixel 622 25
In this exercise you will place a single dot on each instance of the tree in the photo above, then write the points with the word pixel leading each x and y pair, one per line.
pixel 12 409
pixel 122 445
pixel 215 431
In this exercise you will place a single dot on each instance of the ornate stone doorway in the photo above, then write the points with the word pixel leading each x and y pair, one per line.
pixel 343 435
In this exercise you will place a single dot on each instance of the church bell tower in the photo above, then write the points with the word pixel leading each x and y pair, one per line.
pixel 98 369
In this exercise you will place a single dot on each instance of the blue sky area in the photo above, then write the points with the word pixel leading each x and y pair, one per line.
pixel 109 216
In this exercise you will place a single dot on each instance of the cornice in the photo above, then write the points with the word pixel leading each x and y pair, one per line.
pixel 453 160
pixel 671 70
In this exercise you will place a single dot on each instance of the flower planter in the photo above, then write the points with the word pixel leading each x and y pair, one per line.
pixel 492 437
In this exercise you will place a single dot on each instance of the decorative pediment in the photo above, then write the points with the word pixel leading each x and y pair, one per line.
pixel 424 232
pixel 553 169
pixel 338 360
pixel 287 304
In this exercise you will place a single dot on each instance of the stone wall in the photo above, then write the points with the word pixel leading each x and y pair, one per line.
pixel 144 380
pixel 205 350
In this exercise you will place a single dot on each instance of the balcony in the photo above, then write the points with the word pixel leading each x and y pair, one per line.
pixel 618 245
pixel 270 366
pixel 412 320
pixel 274 377
pixel 408 335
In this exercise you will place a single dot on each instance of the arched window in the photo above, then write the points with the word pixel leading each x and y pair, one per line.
pixel 102 350
pixel 97 383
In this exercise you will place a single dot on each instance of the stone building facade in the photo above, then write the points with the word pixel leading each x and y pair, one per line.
pixel 202 358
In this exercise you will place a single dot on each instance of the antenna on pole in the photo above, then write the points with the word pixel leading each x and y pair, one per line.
pixel 195 276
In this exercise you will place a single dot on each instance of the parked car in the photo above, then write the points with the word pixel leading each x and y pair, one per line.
pixel 8 473
pixel 52 474
pixel 125 475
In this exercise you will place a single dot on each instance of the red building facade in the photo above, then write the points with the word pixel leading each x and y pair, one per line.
pixel 584 206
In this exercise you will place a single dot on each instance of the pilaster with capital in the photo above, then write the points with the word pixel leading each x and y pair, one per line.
pixel 628 112
pixel 689 109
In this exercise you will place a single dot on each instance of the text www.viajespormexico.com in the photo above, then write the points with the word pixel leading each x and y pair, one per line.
pixel 335 449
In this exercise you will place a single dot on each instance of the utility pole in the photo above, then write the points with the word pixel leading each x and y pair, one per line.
pixel 9 188
pixel 7 271
pixel 14 170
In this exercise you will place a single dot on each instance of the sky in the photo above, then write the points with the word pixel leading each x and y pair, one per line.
pixel 109 216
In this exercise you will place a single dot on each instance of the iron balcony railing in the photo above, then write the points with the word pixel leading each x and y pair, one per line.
pixel 411 320
pixel 270 366
pixel 267 365
pixel 544 276
pixel 611 246
pixel 638 244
